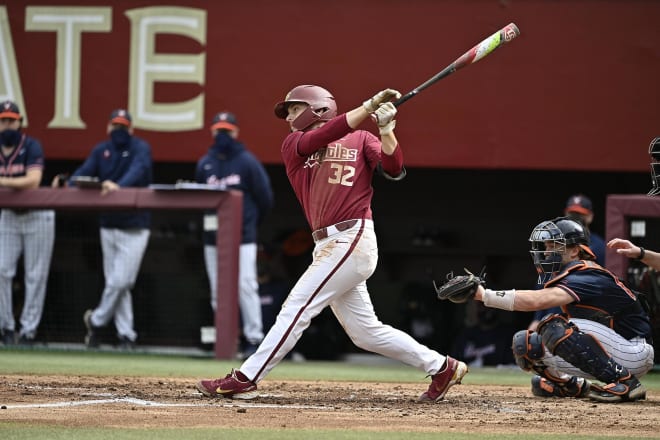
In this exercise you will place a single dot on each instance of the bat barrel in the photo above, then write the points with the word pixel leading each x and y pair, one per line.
pixel 488 45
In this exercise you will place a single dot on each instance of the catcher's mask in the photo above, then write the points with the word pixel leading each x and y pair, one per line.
pixel 549 240
pixel 654 151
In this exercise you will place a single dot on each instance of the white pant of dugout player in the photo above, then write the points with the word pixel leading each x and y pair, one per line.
pixel 31 233
pixel 248 288
pixel 337 278
pixel 635 354
pixel 123 250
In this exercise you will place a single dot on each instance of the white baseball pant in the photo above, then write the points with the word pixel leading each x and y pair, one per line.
pixel 337 276
pixel 248 288
pixel 123 250
pixel 635 354
pixel 31 233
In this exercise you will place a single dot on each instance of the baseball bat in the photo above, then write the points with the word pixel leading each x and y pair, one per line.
pixel 499 38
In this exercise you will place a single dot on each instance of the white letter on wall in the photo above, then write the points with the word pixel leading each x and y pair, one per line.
pixel 148 68
pixel 10 82
pixel 69 23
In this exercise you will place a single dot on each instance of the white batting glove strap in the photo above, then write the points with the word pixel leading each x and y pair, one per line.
pixel 384 114
pixel 384 117
pixel 372 104
pixel 387 129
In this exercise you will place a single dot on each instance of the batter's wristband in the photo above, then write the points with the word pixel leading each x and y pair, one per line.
pixel 500 299
pixel 642 253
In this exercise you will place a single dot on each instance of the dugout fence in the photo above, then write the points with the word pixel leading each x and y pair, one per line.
pixel 171 289
pixel 637 217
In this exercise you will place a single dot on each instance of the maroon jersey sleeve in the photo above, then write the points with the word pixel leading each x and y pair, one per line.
pixel 393 164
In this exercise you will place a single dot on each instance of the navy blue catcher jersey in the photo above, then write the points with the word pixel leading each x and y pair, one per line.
pixel 27 155
pixel 598 292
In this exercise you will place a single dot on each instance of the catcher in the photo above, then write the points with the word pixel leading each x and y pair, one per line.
pixel 603 334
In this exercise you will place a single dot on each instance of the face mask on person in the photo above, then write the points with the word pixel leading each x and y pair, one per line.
pixel 120 137
pixel 223 141
pixel 10 137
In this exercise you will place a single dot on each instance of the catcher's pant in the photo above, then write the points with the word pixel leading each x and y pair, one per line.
pixel 31 233
pixel 248 288
pixel 634 354
pixel 123 250
pixel 337 276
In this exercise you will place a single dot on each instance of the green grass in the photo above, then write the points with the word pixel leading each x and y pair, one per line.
pixel 20 432
pixel 122 364
pixel 150 365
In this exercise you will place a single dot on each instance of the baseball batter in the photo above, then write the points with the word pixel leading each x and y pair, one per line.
pixel 27 232
pixel 330 166
pixel 603 334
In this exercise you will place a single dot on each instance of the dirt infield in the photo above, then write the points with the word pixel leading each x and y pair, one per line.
pixel 137 402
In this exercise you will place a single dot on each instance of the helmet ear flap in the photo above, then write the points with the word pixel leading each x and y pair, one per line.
pixel 305 119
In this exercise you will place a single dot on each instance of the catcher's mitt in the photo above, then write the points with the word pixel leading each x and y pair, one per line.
pixel 460 288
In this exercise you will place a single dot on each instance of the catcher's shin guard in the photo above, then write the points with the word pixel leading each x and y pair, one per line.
pixel 528 351
pixel 527 348
pixel 563 338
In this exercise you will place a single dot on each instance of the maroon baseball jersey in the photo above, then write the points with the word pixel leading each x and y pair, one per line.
pixel 330 169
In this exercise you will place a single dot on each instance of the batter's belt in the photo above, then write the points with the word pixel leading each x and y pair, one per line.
pixel 326 232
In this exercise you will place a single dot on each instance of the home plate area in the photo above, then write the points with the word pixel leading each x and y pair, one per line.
pixel 138 402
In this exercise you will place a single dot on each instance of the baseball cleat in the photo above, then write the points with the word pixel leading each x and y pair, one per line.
pixel 452 374
pixel 125 343
pixel 8 337
pixel 235 385
pixel 626 390
pixel 575 387
pixel 91 338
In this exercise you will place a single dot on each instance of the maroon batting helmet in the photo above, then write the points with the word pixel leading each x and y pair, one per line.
pixel 322 105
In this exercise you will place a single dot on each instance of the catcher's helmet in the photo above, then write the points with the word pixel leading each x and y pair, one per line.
pixel 322 105
pixel 561 232
pixel 654 151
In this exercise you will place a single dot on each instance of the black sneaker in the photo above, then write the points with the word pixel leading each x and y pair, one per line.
pixel 626 389
pixel 8 337
pixel 125 344
pixel 91 338
pixel 25 341
pixel 575 387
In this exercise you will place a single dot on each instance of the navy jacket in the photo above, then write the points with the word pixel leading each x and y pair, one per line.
pixel 128 166
pixel 230 164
